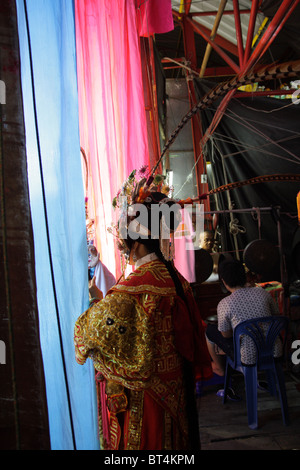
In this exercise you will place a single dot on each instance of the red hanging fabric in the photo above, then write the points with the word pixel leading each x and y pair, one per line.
pixel 154 16
pixel 113 129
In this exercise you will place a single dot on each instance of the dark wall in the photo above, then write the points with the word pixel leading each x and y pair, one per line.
pixel 23 408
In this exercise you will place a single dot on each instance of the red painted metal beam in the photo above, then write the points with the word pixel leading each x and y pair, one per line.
pixel 154 96
pixel 189 43
pixel 190 52
pixel 248 60
pixel 276 24
pixel 187 6
pixel 238 29
pixel 283 13
pixel 222 42
pixel 150 97
pixel 250 32
pixel 199 29
pixel 218 116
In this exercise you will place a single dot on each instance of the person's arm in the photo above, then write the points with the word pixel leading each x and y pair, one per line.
pixel 95 293
pixel 224 323
pixel 227 334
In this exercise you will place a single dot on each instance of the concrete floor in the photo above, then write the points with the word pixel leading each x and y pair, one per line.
pixel 225 427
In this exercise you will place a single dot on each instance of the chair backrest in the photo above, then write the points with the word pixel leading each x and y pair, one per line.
pixel 263 332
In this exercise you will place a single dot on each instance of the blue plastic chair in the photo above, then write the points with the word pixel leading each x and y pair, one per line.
pixel 264 338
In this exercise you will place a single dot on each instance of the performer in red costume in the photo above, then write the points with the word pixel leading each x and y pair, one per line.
pixel 146 337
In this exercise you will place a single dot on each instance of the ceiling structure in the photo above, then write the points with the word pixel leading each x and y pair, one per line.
pixel 220 44
pixel 218 38
pixel 222 39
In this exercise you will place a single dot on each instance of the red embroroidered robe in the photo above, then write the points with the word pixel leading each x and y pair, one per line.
pixel 136 337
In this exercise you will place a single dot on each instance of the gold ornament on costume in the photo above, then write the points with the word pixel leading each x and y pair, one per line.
pixel 118 336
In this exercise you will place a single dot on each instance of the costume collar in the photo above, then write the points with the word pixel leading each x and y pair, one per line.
pixel 146 259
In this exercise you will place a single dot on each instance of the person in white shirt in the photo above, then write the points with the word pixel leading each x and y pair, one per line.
pixel 244 303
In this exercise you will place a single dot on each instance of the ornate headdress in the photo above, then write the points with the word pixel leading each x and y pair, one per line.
pixel 143 188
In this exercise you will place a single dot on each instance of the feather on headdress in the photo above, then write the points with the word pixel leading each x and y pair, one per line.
pixel 143 188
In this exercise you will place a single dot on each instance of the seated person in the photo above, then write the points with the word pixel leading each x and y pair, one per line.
pixel 244 303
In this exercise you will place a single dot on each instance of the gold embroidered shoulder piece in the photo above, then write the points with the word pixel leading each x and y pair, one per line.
pixel 118 335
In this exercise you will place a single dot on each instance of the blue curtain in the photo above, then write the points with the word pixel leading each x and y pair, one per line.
pixel 49 85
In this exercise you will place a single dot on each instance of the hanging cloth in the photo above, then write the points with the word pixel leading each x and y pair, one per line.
pixel 154 16
pixel 49 88
pixel 113 126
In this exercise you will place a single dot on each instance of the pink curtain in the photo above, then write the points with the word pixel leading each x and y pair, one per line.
pixel 112 117
pixel 154 16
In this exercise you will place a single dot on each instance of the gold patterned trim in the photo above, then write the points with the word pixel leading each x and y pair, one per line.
pixel 135 420
pixel 159 272
pixel 145 288
pixel 172 401
pixel 115 432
